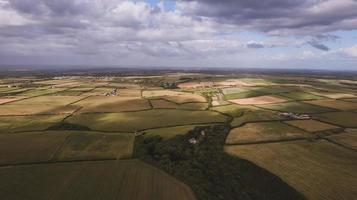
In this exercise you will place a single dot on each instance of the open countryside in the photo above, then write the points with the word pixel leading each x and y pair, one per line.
pixel 163 136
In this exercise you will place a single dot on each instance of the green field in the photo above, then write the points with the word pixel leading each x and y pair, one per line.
pixel 142 120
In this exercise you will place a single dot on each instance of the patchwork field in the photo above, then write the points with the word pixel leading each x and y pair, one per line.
pixel 91 180
pixel 79 137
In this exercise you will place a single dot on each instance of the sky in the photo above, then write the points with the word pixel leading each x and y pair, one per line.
pixel 301 34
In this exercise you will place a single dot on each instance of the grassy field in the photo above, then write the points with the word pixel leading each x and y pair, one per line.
pixel 332 94
pixel 255 115
pixel 9 124
pixel 52 146
pixel 300 96
pixel 169 132
pixel 63 138
pixel 244 94
pixel 162 103
pixel 112 104
pixel 263 132
pixel 94 145
pixel 296 107
pixel 91 180
pixel 319 170
pixel 37 109
pixel 334 104
pixel 136 121
pixel 233 110
pixel 260 100
pixel 348 139
pixel 41 91
pixel 48 100
pixel 311 125
pixel 29 147
pixel 344 119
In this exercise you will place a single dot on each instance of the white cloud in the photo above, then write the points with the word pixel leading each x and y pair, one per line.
pixel 351 51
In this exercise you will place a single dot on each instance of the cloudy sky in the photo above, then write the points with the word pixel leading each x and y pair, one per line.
pixel 316 34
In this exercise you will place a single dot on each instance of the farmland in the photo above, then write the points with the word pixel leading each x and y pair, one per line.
pixel 177 136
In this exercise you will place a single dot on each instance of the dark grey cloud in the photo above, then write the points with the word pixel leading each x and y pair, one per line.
pixel 318 45
pixel 279 16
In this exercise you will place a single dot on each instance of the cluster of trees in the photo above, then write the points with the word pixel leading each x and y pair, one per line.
pixel 208 170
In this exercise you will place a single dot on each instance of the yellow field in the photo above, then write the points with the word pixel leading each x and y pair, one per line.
pixel 319 170
pixel 311 125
